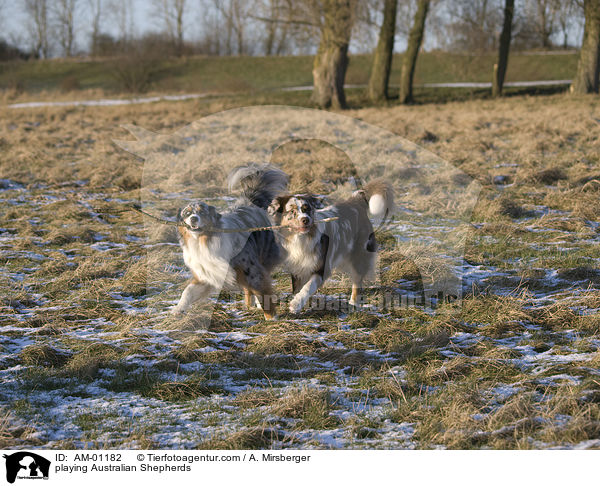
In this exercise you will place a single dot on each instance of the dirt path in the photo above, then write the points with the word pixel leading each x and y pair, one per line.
pixel 183 97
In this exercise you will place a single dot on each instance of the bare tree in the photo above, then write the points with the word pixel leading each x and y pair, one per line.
pixel 65 12
pixel 235 14
pixel 505 37
pixel 96 13
pixel 473 25
pixel 382 60
pixel 287 30
pixel 172 14
pixel 290 25
pixel 409 61
pixel 2 6
pixel 332 21
pixel 331 61
pixel 37 12
pixel 122 14
pixel 588 67
pixel 272 10
pixel 567 17
pixel 209 21
pixel 546 20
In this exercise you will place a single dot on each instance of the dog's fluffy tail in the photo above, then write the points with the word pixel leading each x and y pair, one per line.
pixel 380 198
pixel 260 184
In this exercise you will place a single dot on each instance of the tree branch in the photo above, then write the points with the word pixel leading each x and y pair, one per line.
pixel 282 21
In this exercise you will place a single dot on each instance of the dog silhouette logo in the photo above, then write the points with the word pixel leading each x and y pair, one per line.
pixel 25 464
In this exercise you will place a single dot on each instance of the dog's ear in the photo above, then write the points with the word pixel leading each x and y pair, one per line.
pixel 277 205
pixel 179 215
pixel 316 202
pixel 214 215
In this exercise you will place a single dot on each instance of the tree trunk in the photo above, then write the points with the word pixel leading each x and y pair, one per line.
pixel 331 61
pixel 270 40
pixel 409 60
pixel 271 28
pixel 588 67
pixel 283 36
pixel 505 37
pixel 382 61
pixel 179 47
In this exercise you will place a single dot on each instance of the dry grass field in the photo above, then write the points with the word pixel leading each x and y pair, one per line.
pixel 90 357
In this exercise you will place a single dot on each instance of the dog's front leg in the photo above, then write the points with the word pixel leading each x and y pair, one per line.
pixel 194 291
pixel 308 290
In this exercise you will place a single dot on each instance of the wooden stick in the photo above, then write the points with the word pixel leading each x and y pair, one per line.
pixel 136 208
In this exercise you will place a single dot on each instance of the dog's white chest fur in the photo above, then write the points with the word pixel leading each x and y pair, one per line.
pixel 302 259
pixel 209 263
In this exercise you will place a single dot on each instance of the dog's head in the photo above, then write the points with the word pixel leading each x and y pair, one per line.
pixel 198 216
pixel 295 212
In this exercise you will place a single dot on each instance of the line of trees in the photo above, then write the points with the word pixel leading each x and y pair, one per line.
pixel 328 90
pixel 281 27
pixel 328 26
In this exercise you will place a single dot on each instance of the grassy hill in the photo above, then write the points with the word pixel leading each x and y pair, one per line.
pixel 251 74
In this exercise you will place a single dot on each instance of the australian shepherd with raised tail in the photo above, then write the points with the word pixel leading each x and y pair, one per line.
pixel 221 260
pixel 315 248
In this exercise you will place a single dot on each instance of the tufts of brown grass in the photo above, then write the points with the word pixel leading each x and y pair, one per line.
pixel 586 273
pixel 17 298
pixel 70 234
pixel 6 438
pixel 558 316
pixel 88 269
pixel 351 362
pixel 313 165
pixel 283 337
pixel 589 324
pixel 494 309
pixel 311 406
pixel 86 363
pixel 151 271
pixel 397 267
pixel 261 437
pixel 199 317
pixel 450 421
pixel 360 320
pixel 548 176
pixel 392 337
pixel 491 207
pixel 57 264
pixel 188 351
pixel 414 262
pixel 43 355
pixel 256 397
pixel 12 434
pixel 177 391
pixel 502 329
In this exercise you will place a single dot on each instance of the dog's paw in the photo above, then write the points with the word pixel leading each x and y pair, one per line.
pixel 295 306
pixel 176 311
pixel 353 304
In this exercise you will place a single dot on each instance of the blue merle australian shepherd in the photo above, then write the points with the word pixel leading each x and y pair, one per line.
pixel 221 260
pixel 314 248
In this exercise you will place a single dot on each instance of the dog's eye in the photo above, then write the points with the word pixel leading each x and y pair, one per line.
pixel 305 208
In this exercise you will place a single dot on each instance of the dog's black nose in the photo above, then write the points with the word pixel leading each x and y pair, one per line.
pixel 194 219
pixel 304 220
